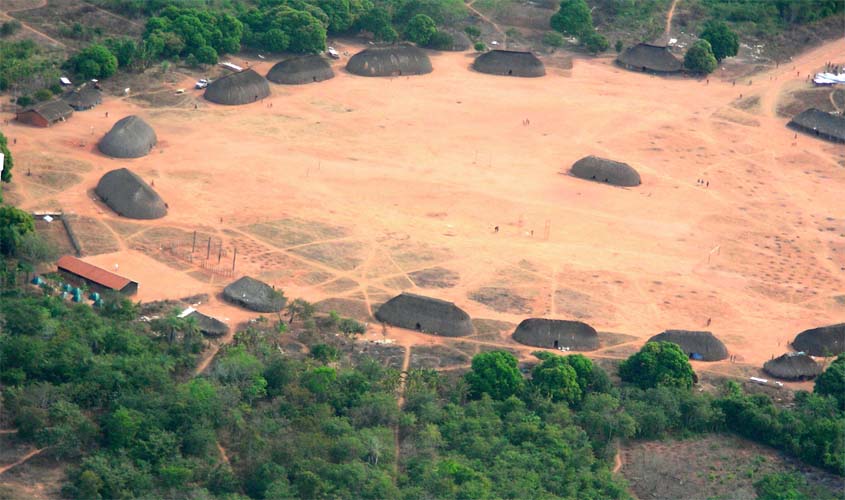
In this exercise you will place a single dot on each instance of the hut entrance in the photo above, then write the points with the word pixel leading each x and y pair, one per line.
pixel 418 327
pixel 510 72
pixel 556 344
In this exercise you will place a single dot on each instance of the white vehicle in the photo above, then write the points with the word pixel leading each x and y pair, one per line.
pixel 333 53
pixel 201 83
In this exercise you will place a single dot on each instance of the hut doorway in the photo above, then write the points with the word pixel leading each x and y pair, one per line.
pixel 510 72
pixel 556 344
pixel 418 327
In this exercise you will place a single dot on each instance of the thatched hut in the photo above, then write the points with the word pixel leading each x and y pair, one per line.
pixel 254 295
pixel 300 70
pixel 243 87
pixel 390 60
pixel 83 99
pixel 45 114
pixel 208 326
pixel 649 58
pixel 821 341
pixel 425 314
pixel 128 195
pixel 130 137
pixel 608 171
pixel 509 63
pixel 700 346
pixel 819 124
pixel 557 333
pixel 793 366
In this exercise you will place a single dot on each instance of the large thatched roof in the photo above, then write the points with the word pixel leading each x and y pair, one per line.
pixel 821 341
pixel 425 314
pixel 821 124
pixel 84 98
pixel 390 60
pixel 299 70
pixel 52 111
pixel 130 137
pixel 703 346
pixel 208 326
pixel 243 87
pixel 647 57
pixel 128 195
pixel 793 366
pixel 603 170
pixel 554 333
pixel 509 63
pixel 254 295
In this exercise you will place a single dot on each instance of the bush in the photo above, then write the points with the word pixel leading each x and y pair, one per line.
pixel 553 39
pixel 420 29
pixel 699 58
pixel 24 101
pixel 441 41
pixel 10 27
pixel 619 46
pixel 480 47
pixel 472 31
pixel 43 95
pixel 595 42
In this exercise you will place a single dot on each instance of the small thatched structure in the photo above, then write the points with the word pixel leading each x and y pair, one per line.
pixel 821 341
pixel 45 114
pixel 701 346
pixel 83 99
pixel 608 171
pixel 649 58
pixel 208 326
pixel 243 87
pixel 254 295
pixel 425 314
pixel 557 333
pixel 128 195
pixel 820 124
pixel 509 63
pixel 130 137
pixel 300 70
pixel 793 366
pixel 390 60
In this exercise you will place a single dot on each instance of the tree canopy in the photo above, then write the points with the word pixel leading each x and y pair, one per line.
pixel 723 41
pixel 658 364
pixel 495 373
pixel 832 381
pixel 573 18
pixel 699 58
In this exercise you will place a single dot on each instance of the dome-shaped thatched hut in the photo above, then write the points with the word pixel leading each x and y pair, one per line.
pixel 130 137
pixel 128 195
pixel 557 333
pixel 819 124
pixel 649 58
pixel 208 326
pixel 793 366
pixel 612 172
pixel 821 341
pixel 83 99
pixel 300 70
pixel 254 295
pixel 390 60
pixel 243 87
pixel 425 314
pixel 701 346
pixel 509 63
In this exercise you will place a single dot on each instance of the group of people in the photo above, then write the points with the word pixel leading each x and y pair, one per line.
pixel 702 182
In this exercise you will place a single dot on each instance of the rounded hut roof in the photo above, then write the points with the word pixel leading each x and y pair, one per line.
pixel 84 98
pixel 552 333
pixel 130 137
pixel 425 314
pixel 128 195
pixel 254 295
pixel 509 63
pixel 821 341
pixel 793 366
pixel 603 170
pixel 300 70
pixel 238 88
pixel 703 346
pixel 648 57
pixel 390 60
pixel 208 326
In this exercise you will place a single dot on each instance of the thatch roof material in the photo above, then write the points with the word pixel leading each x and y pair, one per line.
pixel 300 70
pixel 509 63
pixel 390 60
pixel 130 137
pixel 128 195
pixel 650 58
pixel 603 170
pixel 51 111
pixel 703 346
pixel 84 98
pixel 793 366
pixel 254 295
pixel 555 333
pixel 820 124
pixel 425 314
pixel 208 326
pixel 238 88
pixel 822 341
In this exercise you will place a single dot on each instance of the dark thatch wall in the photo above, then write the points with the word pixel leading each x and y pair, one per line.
pixel 822 341
pixel 509 63
pixel 793 366
pixel 390 60
pixel 603 170
pixel 84 98
pixel 551 333
pixel 301 70
pixel 649 58
pixel 425 314
pixel 130 137
pixel 820 124
pixel 254 295
pixel 704 343
pixel 128 195
pixel 208 326
pixel 238 88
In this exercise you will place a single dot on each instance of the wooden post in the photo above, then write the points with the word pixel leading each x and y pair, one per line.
pixel 208 251
pixel 194 245
pixel 234 257
pixel 220 252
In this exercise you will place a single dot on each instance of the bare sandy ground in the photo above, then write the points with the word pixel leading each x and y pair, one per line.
pixel 406 174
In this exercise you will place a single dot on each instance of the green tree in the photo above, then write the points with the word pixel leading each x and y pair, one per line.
pixel 699 58
pixel 441 40
pixel 94 61
pixel 723 41
pixel 122 426
pixel 325 353
pixel 619 46
pixel 780 486
pixel 556 379
pixel 377 22
pixel 573 18
pixel 339 12
pixel 14 225
pixel 594 42
pixel 553 39
pixel 656 364
pixel 420 29
pixel 299 308
pixel 8 163
pixel 832 381
pixel 206 55
pixel 495 373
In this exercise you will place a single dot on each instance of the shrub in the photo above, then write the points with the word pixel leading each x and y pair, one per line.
pixel 595 42
pixel 441 41
pixel 553 39
pixel 43 95
pixel 24 101
pixel 10 27
pixel 480 47
pixel 619 46
pixel 472 31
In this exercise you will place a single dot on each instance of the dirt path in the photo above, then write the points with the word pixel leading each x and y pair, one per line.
pixel 669 17
pixel 617 460
pixel 400 402
pixel 21 460
pixel 489 21
pixel 8 431
pixel 223 455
